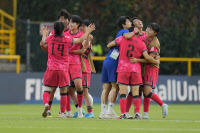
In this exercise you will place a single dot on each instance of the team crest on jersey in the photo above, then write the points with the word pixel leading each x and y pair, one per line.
pixel 152 49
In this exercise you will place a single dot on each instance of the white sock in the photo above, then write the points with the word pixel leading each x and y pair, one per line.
pixel 103 108
pixel 110 107
pixel 69 112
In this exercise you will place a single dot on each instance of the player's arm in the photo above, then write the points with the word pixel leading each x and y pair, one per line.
pixel 131 34
pixel 83 49
pixel 43 44
pixel 150 58
pixel 155 61
pixel 111 44
pixel 89 29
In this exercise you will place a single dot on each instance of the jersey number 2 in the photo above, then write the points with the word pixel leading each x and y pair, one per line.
pixel 132 48
pixel 62 49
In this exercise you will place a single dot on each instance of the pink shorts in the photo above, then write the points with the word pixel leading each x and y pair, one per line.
pixel 55 78
pixel 75 71
pixel 86 79
pixel 129 78
pixel 151 76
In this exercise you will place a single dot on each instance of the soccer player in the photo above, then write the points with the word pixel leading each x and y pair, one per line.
pixel 152 70
pixel 57 65
pixel 130 73
pixel 87 67
pixel 64 17
pixel 109 75
pixel 140 34
pixel 75 70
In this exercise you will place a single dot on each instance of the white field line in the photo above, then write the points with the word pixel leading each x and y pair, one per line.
pixel 94 128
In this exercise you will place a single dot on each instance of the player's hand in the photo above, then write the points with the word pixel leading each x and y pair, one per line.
pixel 45 32
pixel 157 62
pixel 133 60
pixel 157 57
pixel 90 28
pixel 42 29
pixel 136 30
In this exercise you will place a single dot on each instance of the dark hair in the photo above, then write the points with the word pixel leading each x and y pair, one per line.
pixel 133 19
pixel 64 13
pixel 131 29
pixel 86 22
pixel 122 20
pixel 58 28
pixel 76 19
pixel 155 27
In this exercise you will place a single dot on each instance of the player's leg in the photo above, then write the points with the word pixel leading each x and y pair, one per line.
pixel 148 93
pixel 150 81
pixel 86 77
pixel 128 105
pixel 104 99
pixel 63 102
pixel 112 98
pixel 50 79
pixel 122 101
pixel 136 101
pixel 79 88
pixel 68 107
pixel 136 81
pixel 89 103
pixel 46 96
pixel 51 101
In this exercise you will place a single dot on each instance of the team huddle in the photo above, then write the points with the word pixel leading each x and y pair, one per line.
pixel 133 60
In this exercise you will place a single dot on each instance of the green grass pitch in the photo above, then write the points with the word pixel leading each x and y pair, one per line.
pixel 28 119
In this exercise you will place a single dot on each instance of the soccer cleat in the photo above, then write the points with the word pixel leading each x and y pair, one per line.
pixel 122 117
pixel 128 116
pixel 89 115
pixel 44 113
pixel 80 114
pixel 69 115
pixel 49 114
pixel 145 115
pixel 101 116
pixel 164 110
pixel 110 115
pixel 62 115
pixel 76 114
pixel 138 116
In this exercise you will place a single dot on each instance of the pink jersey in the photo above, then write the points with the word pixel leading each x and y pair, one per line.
pixel 133 47
pixel 85 57
pixel 58 52
pixel 142 37
pixel 75 58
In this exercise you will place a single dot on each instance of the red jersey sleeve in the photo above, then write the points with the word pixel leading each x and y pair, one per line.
pixel 118 40
pixel 153 50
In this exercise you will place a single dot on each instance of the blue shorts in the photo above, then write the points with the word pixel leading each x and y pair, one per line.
pixel 109 69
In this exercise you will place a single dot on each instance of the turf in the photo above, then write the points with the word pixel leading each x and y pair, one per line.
pixel 28 119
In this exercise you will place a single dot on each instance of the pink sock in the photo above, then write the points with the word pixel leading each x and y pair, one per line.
pixel 68 103
pixel 156 99
pixel 136 101
pixel 80 98
pixel 122 103
pixel 46 96
pixel 129 100
pixel 63 103
pixel 146 104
